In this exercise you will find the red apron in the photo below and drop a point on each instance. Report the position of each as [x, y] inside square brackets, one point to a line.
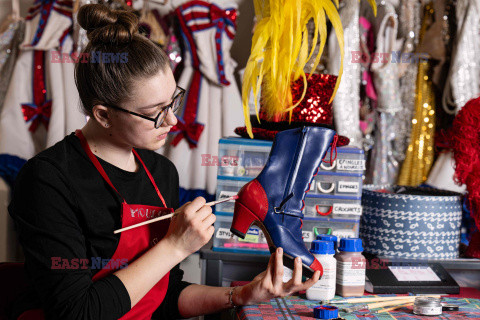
[133, 243]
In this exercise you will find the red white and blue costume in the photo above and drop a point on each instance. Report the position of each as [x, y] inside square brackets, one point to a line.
[213, 104]
[41, 104]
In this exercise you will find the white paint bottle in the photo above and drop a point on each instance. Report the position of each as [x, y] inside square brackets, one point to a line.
[324, 289]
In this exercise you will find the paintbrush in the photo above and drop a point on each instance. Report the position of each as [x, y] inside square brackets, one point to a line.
[394, 308]
[378, 299]
[168, 216]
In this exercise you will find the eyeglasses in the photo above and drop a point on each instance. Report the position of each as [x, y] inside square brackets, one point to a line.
[174, 105]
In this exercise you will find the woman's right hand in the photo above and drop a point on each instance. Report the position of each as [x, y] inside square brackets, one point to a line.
[191, 227]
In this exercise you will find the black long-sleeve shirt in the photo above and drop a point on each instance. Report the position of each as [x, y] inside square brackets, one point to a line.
[63, 209]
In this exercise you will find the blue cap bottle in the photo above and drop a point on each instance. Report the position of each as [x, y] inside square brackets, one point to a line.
[322, 247]
[329, 237]
[351, 245]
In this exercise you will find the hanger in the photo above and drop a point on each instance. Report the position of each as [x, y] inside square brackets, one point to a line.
[163, 2]
[119, 4]
[12, 17]
[16, 9]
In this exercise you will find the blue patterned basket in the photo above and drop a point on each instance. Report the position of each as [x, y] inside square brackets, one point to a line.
[411, 223]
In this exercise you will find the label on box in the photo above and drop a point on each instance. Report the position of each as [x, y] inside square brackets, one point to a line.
[252, 236]
[224, 233]
[348, 186]
[347, 208]
[344, 233]
[227, 194]
[307, 236]
[350, 165]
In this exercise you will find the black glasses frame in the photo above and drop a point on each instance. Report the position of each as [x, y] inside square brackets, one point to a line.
[158, 124]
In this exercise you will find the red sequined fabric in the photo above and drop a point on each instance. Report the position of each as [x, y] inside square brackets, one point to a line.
[314, 109]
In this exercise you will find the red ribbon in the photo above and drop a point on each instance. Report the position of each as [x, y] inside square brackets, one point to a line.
[40, 109]
[37, 114]
[217, 13]
[190, 132]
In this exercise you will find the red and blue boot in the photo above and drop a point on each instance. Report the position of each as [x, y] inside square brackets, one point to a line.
[274, 200]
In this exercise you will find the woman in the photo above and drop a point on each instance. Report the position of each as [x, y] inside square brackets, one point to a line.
[70, 198]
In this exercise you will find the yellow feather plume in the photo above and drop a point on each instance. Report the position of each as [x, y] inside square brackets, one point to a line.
[280, 51]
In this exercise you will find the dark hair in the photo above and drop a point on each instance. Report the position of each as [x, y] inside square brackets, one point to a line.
[114, 32]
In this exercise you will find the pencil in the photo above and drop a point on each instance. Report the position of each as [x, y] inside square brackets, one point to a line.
[168, 216]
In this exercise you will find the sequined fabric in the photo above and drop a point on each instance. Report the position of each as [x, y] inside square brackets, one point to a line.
[383, 166]
[409, 28]
[346, 104]
[465, 69]
[315, 107]
[420, 153]
[10, 39]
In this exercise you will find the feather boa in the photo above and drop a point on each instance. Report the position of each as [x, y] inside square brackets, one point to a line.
[465, 142]
[280, 51]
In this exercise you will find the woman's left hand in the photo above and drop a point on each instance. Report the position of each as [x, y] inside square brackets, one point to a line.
[269, 284]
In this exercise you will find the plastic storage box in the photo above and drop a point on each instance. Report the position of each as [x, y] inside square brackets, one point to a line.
[349, 160]
[339, 207]
[342, 228]
[239, 157]
[227, 187]
[224, 240]
[255, 241]
[333, 183]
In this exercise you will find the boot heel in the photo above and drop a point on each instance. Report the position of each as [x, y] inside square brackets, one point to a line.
[242, 220]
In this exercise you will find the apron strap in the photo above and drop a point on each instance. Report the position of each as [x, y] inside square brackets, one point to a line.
[95, 161]
[100, 169]
[150, 177]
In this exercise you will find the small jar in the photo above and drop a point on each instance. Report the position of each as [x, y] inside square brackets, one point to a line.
[324, 289]
[351, 266]
[427, 306]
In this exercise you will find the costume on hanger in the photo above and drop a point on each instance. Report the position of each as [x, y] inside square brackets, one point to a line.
[463, 83]
[346, 105]
[419, 157]
[79, 34]
[10, 40]
[368, 94]
[408, 28]
[212, 108]
[42, 104]
[384, 166]
[150, 25]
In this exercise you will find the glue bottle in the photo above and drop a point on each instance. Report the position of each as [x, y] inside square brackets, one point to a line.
[324, 289]
[350, 268]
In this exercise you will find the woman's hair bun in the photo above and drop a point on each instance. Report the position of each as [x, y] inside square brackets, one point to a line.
[104, 25]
